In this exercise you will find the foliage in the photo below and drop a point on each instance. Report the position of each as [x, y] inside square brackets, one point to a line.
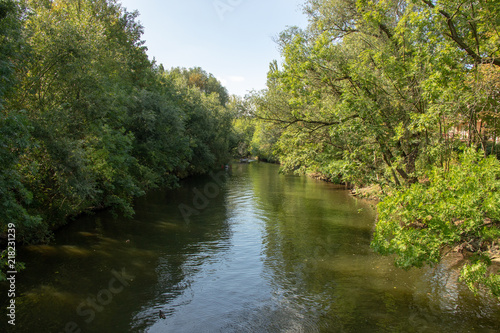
[255, 137]
[101, 122]
[155, 120]
[205, 82]
[375, 88]
[456, 209]
[208, 123]
[264, 140]
[335, 89]
[244, 128]
[69, 84]
[15, 197]
[385, 92]
[10, 44]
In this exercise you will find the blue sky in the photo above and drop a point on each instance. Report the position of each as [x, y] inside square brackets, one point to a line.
[232, 39]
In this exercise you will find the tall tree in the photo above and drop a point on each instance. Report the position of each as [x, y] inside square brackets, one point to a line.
[15, 138]
[373, 91]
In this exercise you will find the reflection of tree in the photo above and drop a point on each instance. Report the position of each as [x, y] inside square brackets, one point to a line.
[311, 233]
[183, 247]
[315, 252]
[318, 260]
[158, 248]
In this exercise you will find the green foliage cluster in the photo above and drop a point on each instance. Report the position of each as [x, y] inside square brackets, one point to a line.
[255, 137]
[454, 209]
[374, 90]
[387, 93]
[87, 121]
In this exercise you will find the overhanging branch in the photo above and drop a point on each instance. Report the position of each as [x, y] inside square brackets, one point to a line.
[453, 34]
[290, 122]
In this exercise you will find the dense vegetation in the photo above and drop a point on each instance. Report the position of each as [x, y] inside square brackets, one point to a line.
[87, 121]
[403, 94]
[400, 95]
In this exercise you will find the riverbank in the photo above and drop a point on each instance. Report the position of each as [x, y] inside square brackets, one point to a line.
[453, 212]
[372, 193]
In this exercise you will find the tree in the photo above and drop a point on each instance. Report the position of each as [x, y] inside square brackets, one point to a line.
[207, 121]
[206, 82]
[15, 138]
[483, 105]
[348, 74]
[383, 77]
[256, 138]
[456, 210]
[372, 92]
[71, 84]
[160, 146]
[470, 25]
[101, 124]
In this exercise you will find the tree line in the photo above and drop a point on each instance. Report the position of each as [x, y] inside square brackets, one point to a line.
[87, 121]
[403, 94]
[400, 95]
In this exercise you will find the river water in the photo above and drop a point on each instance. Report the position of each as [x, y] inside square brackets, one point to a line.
[245, 250]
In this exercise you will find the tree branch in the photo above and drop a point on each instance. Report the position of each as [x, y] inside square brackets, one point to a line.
[309, 122]
[453, 34]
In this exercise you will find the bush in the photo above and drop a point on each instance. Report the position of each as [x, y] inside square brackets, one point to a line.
[458, 208]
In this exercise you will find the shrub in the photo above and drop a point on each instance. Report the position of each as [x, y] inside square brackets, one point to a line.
[458, 208]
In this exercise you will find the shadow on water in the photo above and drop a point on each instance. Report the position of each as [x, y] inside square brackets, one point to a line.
[256, 252]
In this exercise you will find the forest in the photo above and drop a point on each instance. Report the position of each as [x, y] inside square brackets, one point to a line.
[397, 98]
[88, 122]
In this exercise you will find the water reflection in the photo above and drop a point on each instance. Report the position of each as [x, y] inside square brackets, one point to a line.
[268, 253]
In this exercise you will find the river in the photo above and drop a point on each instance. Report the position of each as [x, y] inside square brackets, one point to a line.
[243, 250]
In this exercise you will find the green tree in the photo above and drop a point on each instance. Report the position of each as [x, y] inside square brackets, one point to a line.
[378, 86]
[206, 82]
[160, 146]
[86, 58]
[345, 77]
[101, 123]
[374, 92]
[15, 138]
[207, 122]
[457, 209]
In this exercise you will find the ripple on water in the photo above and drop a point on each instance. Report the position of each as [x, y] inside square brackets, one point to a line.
[271, 253]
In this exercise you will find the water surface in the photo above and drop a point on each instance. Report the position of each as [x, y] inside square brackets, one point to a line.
[247, 251]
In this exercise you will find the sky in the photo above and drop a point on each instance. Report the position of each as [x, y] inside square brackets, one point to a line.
[231, 39]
